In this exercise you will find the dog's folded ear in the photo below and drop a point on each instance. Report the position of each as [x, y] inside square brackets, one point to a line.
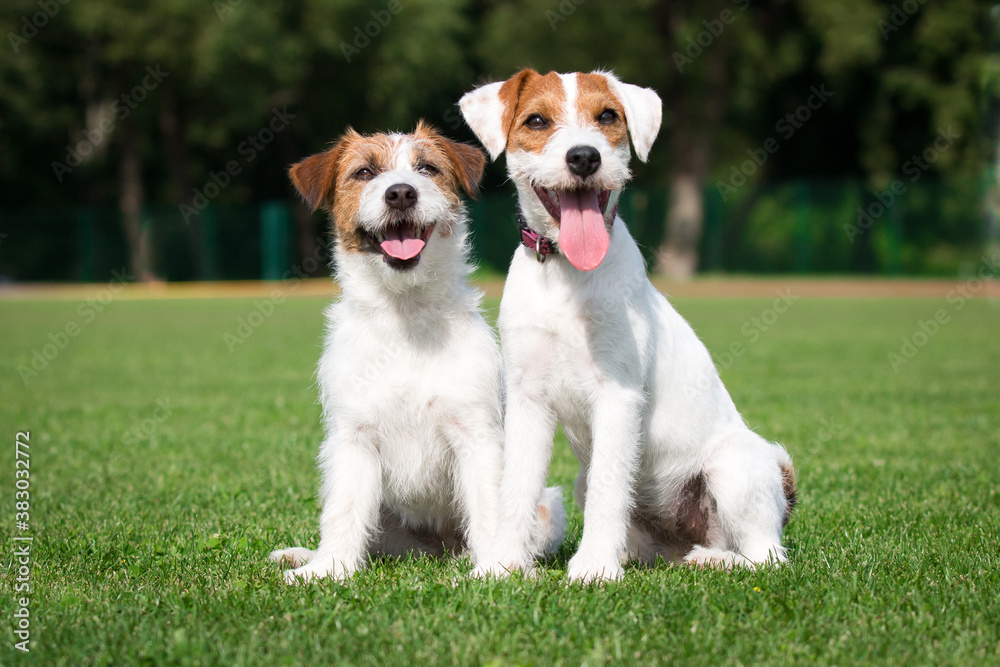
[643, 113]
[467, 163]
[489, 110]
[316, 176]
[313, 178]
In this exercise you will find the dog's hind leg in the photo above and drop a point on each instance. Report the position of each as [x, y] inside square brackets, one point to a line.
[746, 482]
[649, 543]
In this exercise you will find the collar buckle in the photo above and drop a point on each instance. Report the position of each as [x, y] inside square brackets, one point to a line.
[532, 240]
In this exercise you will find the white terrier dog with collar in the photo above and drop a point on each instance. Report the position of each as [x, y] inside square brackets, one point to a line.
[411, 377]
[668, 468]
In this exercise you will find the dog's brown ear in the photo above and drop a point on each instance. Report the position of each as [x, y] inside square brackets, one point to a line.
[316, 176]
[510, 94]
[467, 162]
[313, 178]
[489, 110]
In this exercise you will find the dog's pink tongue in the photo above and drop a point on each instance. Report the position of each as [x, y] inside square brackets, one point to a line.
[583, 238]
[402, 242]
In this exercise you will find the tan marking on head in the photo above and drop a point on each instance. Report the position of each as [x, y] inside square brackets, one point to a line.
[541, 95]
[593, 98]
[459, 165]
[509, 94]
[375, 152]
[316, 180]
[330, 180]
[315, 176]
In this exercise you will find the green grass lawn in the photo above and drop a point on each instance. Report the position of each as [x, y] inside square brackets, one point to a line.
[164, 468]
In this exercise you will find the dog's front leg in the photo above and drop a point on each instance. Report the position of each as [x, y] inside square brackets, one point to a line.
[352, 495]
[478, 468]
[610, 481]
[529, 426]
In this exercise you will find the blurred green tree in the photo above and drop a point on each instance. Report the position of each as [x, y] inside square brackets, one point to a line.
[733, 74]
[731, 71]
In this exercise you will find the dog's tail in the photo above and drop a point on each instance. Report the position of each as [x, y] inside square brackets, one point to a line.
[788, 483]
[551, 522]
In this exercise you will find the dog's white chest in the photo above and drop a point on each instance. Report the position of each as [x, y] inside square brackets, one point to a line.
[413, 391]
[549, 340]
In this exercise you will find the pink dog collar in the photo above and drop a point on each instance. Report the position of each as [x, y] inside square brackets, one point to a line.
[542, 245]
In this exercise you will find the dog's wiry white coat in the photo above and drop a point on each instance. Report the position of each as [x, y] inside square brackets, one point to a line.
[411, 385]
[636, 391]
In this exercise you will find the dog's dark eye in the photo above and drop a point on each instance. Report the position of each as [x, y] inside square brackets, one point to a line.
[607, 117]
[364, 174]
[536, 122]
[428, 169]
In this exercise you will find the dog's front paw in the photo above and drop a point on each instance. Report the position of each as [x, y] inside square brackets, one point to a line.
[585, 569]
[489, 571]
[293, 557]
[497, 569]
[316, 570]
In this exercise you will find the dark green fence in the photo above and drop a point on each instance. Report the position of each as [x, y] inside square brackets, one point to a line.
[807, 226]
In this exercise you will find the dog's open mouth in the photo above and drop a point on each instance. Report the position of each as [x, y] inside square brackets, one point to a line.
[583, 235]
[401, 243]
[553, 199]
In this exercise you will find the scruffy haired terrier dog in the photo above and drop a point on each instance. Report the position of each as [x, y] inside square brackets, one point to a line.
[668, 468]
[411, 376]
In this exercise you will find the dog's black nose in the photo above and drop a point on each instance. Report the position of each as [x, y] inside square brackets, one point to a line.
[401, 196]
[583, 160]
